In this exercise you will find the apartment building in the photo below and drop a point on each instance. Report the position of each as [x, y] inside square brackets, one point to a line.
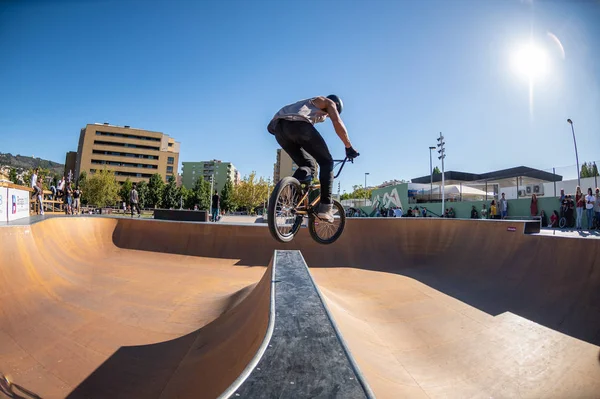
[220, 171]
[284, 166]
[131, 153]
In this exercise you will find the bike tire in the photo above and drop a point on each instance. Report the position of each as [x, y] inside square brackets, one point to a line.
[313, 222]
[272, 209]
[562, 222]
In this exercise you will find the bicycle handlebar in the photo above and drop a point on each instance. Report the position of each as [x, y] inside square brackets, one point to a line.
[343, 162]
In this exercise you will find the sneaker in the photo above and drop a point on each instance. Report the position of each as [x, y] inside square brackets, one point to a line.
[326, 213]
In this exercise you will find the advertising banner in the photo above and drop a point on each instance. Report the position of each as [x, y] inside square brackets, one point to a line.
[3, 204]
[18, 204]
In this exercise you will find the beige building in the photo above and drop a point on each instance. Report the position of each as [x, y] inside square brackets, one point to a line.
[131, 153]
[284, 166]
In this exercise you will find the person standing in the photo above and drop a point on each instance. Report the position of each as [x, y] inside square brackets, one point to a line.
[76, 195]
[503, 203]
[134, 199]
[533, 207]
[215, 206]
[37, 192]
[597, 208]
[590, 200]
[579, 204]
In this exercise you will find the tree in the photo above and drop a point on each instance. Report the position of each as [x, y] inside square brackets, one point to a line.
[82, 183]
[142, 189]
[102, 188]
[227, 203]
[201, 194]
[182, 197]
[589, 170]
[12, 175]
[155, 190]
[437, 171]
[250, 192]
[169, 195]
[125, 190]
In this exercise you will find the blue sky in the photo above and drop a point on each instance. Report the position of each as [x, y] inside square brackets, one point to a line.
[212, 74]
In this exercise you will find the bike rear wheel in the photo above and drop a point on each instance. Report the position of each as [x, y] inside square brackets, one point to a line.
[327, 233]
[282, 220]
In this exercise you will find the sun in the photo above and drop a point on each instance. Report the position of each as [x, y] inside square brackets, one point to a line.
[530, 61]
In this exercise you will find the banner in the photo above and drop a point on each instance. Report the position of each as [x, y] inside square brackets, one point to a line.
[3, 203]
[17, 204]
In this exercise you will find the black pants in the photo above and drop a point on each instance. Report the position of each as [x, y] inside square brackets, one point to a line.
[304, 145]
[135, 206]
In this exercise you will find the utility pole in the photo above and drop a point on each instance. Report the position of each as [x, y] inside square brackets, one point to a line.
[430, 174]
[442, 152]
[569, 121]
[366, 173]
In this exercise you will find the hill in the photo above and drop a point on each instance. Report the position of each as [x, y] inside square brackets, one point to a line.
[23, 163]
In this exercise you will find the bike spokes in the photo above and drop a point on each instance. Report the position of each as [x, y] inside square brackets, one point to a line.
[326, 230]
[285, 217]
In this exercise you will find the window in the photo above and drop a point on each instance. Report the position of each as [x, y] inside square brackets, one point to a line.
[169, 169]
[170, 160]
[145, 147]
[126, 136]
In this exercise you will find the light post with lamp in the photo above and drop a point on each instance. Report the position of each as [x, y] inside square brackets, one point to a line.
[576, 155]
[366, 173]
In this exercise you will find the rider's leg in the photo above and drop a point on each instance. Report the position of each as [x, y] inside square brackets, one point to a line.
[288, 135]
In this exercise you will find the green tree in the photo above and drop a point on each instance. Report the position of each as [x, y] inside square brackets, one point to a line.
[437, 171]
[125, 190]
[251, 192]
[102, 188]
[201, 194]
[585, 172]
[155, 190]
[169, 195]
[142, 189]
[82, 183]
[227, 203]
[12, 175]
[26, 180]
[594, 170]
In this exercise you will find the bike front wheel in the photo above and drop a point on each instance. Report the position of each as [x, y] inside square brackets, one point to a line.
[324, 232]
[282, 219]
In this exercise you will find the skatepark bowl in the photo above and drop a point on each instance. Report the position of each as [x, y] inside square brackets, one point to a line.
[427, 308]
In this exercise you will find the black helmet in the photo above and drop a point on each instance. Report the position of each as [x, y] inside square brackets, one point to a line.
[338, 102]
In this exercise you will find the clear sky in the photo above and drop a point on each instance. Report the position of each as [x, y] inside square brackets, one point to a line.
[212, 74]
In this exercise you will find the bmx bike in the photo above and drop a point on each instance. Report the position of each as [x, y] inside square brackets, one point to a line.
[291, 201]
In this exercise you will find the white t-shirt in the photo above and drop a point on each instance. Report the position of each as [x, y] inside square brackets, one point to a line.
[33, 180]
[591, 199]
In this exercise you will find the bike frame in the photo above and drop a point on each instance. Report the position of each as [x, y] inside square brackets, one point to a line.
[304, 207]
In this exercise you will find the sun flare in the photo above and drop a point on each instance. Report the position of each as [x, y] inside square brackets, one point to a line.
[530, 61]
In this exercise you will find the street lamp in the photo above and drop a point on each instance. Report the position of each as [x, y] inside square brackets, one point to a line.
[576, 155]
[430, 173]
[366, 173]
[442, 152]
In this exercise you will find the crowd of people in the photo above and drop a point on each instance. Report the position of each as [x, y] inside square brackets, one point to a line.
[64, 190]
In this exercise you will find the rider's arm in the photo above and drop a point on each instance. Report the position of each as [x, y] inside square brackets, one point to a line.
[328, 105]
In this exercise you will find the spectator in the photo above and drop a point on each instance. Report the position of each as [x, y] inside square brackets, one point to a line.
[134, 199]
[570, 211]
[446, 213]
[493, 209]
[543, 218]
[579, 204]
[398, 212]
[597, 208]
[77, 193]
[451, 213]
[590, 200]
[215, 206]
[533, 207]
[474, 214]
[37, 190]
[68, 196]
[484, 212]
[503, 207]
[554, 219]
[424, 211]
[409, 213]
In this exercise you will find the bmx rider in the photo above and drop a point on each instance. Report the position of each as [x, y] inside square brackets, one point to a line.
[293, 128]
